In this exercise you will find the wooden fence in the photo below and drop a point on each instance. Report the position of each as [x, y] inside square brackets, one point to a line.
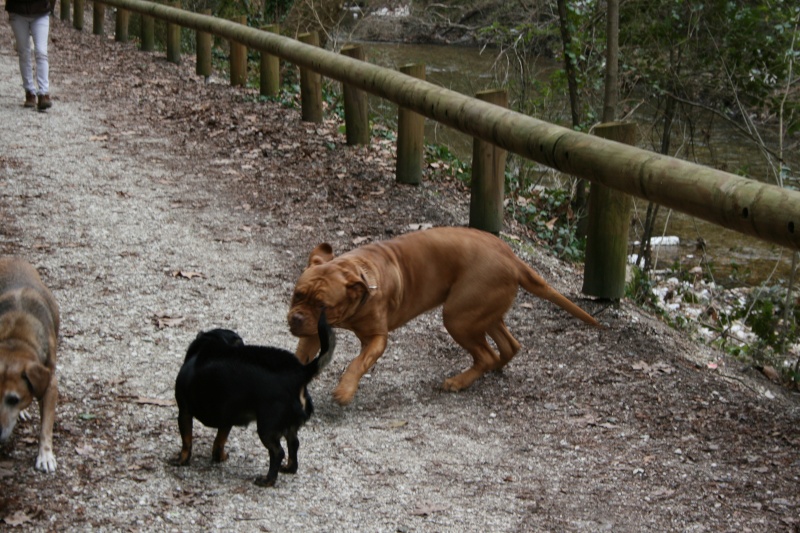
[741, 204]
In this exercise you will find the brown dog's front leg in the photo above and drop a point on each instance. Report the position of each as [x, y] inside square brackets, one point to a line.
[46, 460]
[371, 349]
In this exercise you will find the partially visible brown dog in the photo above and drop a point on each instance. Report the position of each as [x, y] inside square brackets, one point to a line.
[377, 288]
[28, 336]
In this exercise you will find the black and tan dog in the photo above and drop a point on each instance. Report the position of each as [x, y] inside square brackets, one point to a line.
[28, 337]
[225, 383]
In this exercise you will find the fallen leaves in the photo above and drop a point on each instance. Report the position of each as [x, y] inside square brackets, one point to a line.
[654, 369]
[17, 518]
[85, 450]
[142, 400]
[22, 517]
[419, 227]
[428, 508]
[5, 469]
[187, 274]
[593, 420]
[393, 424]
[163, 320]
[771, 373]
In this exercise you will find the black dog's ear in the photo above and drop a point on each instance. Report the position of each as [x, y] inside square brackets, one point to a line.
[321, 254]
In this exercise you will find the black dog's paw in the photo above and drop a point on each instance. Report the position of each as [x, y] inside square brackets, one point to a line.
[219, 456]
[289, 468]
[264, 481]
[181, 459]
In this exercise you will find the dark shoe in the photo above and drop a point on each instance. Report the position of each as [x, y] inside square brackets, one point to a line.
[44, 102]
[30, 100]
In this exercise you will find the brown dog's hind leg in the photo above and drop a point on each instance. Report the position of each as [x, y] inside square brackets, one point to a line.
[472, 339]
[481, 353]
[218, 453]
[507, 345]
[484, 357]
[469, 314]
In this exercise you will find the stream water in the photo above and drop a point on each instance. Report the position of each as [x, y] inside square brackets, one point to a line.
[723, 252]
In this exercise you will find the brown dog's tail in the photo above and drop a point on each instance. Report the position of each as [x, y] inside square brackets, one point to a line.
[327, 344]
[536, 285]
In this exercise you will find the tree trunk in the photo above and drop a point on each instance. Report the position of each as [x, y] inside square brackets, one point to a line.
[646, 248]
[612, 62]
[579, 204]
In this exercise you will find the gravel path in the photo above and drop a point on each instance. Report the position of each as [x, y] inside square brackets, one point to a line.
[144, 242]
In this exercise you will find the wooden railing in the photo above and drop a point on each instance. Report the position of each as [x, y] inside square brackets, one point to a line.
[741, 204]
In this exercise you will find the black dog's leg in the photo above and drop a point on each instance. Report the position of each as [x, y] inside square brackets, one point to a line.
[185, 420]
[276, 455]
[218, 453]
[292, 445]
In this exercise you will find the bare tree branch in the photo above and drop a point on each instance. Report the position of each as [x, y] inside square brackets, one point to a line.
[735, 124]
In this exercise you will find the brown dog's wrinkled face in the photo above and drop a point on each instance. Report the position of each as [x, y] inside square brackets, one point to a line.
[332, 285]
[20, 381]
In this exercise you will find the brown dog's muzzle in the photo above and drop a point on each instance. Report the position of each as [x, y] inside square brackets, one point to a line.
[299, 324]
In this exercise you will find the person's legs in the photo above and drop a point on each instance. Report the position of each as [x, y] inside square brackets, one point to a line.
[40, 29]
[22, 32]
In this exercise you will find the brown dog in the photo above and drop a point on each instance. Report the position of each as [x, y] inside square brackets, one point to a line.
[28, 335]
[377, 288]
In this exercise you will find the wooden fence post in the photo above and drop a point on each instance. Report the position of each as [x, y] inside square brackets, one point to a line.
[270, 71]
[98, 17]
[64, 10]
[148, 36]
[238, 58]
[174, 38]
[410, 136]
[488, 176]
[356, 110]
[77, 15]
[203, 46]
[121, 28]
[609, 221]
[310, 85]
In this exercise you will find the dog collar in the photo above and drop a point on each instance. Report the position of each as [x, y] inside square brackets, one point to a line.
[372, 284]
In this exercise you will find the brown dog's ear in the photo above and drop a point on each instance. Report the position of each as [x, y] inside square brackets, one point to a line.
[321, 254]
[357, 289]
[38, 377]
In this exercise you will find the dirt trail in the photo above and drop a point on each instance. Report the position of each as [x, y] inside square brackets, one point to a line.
[156, 205]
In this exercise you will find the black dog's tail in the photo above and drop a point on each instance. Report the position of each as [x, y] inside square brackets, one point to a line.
[327, 343]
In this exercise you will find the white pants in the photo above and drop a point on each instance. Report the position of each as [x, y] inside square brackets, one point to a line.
[38, 27]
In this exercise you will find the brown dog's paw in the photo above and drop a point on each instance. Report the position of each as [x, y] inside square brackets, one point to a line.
[457, 383]
[343, 395]
[451, 385]
[462, 380]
